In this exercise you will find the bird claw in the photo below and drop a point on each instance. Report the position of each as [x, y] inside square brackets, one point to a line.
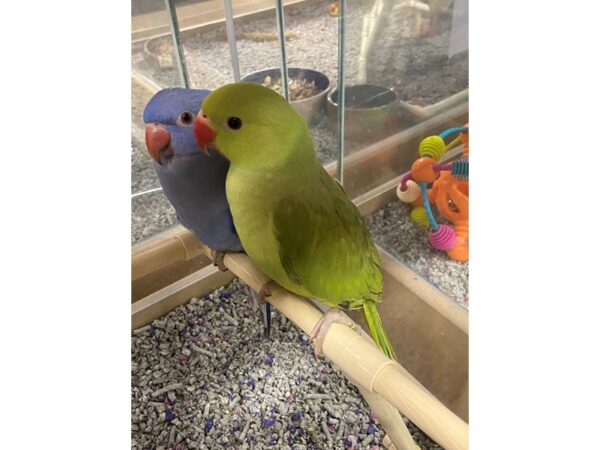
[318, 333]
[218, 260]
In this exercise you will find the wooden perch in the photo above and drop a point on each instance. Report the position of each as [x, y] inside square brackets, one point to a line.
[391, 420]
[357, 357]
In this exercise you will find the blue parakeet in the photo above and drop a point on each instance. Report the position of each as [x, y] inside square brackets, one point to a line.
[192, 181]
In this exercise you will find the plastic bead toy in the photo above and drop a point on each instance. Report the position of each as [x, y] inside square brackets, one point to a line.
[444, 185]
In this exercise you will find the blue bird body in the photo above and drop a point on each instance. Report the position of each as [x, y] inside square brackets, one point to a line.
[193, 182]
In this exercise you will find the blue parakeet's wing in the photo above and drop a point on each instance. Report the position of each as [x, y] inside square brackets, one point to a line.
[196, 189]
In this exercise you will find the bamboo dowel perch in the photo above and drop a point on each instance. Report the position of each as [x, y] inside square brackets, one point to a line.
[388, 444]
[391, 420]
[357, 357]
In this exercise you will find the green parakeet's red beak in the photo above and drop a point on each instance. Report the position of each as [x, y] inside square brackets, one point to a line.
[203, 132]
[158, 139]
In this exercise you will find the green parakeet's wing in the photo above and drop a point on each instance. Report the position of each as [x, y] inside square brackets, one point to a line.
[325, 247]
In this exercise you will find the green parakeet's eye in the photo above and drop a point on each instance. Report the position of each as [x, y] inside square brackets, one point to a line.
[235, 123]
[186, 117]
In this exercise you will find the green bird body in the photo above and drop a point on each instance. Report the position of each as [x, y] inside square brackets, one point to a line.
[295, 222]
[306, 235]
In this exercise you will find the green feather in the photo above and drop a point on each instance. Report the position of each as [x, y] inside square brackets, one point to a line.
[325, 247]
[377, 330]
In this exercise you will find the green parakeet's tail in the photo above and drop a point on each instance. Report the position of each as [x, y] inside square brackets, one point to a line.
[376, 328]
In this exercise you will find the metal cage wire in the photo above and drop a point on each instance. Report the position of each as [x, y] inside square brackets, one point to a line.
[280, 17]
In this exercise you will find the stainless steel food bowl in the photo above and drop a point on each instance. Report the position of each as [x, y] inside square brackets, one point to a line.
[311, 108]
[372, 112]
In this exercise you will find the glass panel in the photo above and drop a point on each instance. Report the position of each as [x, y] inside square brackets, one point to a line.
[311, 47]
[153, 53]
[311, 54]
[406, 75]
[311, 44]
[154, 66]
[406, 62]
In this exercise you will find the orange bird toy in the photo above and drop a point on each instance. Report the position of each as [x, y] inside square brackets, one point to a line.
[446, 186]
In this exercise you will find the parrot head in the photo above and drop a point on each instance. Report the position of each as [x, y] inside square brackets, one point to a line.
[250, 124]
[169, 118]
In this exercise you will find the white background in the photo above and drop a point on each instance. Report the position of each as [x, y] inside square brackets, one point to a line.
[65, 228]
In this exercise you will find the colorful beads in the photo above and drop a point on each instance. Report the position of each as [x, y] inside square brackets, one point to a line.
[432, 147]
[411, 193]
[443, 185]
[423, 170]
[444, 238]
[460, 169]
[419, 216]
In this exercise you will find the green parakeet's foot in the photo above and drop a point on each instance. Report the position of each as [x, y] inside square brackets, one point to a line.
[318, 333]
[218, 260]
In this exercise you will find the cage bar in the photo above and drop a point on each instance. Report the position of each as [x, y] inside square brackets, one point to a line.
[341, 90]
[230, 27]
[179, 53]
[281, 33]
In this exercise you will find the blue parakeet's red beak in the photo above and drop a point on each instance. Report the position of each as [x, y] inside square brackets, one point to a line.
[158, 139]
[203, 132]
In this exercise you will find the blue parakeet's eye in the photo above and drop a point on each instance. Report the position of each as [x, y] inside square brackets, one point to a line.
[186, 117]
[235, 123]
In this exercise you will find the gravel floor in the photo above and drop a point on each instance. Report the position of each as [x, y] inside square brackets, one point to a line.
[203, 378]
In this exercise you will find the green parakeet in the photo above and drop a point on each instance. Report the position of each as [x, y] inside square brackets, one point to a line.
[295, 222]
